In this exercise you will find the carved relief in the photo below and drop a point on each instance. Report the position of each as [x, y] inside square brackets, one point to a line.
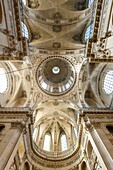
[57, 17]
[57, 28]
[56, 45]
[80, 5]
[36, 36]
[34, 4]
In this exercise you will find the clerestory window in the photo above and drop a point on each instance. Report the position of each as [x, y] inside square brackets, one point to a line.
[35, 134]
[24, 2]
[88, 32]
[63, 142]
[25, 32]
[108, 82]
[47, 143]
[90, 3]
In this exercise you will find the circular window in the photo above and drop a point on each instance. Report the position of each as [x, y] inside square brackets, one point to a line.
[55, 70]
[3, 81]
[108, 82]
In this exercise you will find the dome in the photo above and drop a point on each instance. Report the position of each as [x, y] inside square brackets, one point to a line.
[55, 75]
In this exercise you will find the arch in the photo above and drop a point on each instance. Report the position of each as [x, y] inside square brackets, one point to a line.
[19, 102]
[110, 128]
[89, 149]
[47, 142]
[0, 13]
[108, 82]
[26, 166]
[2, 127]
[83, 166]
[75, 132]
[3, 81]
[35, 133]
[91, 102]
[63, 142]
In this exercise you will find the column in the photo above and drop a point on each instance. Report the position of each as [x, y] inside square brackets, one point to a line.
[7, 147]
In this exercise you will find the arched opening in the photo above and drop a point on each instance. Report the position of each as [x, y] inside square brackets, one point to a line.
[35, 134]
[75, 132]
[63, 142]
[26, 166]
[83, 166]
[110, 129]
[3, 81]
[47, 142]
[0, 13]
[89, 149]
[1, 127]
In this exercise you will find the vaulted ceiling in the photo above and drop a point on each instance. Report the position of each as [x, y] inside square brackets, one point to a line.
[57, 24]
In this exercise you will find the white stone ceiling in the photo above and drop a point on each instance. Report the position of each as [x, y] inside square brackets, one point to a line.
[54, 24]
